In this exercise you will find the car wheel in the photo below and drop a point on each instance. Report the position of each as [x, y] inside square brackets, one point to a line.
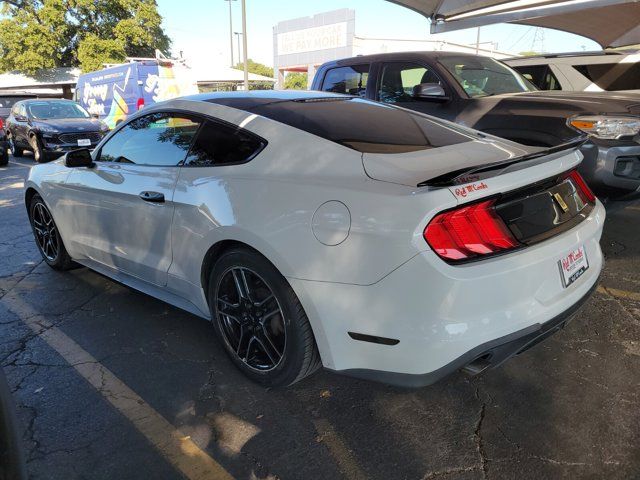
[47, 236]
[260, 320]
[36, 148]
[15, 151]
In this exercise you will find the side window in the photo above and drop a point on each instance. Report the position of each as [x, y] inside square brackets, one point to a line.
[218, 144]
[161, 139]
[398, 80]
[23, 110]
[348, 80]
[540, 75]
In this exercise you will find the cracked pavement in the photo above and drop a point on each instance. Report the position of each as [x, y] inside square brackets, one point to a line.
[567, 408]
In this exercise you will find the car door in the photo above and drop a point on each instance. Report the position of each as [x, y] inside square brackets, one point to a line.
[19, 125]
[397, 80]
[121, 209]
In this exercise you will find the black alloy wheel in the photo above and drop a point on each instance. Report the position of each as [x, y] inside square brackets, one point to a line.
[260, 320]
[47, 236]
[15, 151]
[251, 319]
[36, 147]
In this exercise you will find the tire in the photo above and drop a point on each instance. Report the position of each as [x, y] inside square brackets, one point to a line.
[274, 349]
[4, 158]
[47, 236]
[15, 151]
[39, 154]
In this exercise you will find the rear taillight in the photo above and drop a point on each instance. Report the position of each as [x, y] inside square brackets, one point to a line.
[140, 104]
[1, 123]
[581, 186]
[470, 231]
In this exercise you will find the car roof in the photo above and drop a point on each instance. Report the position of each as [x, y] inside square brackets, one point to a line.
[597, 53]
[418, 55]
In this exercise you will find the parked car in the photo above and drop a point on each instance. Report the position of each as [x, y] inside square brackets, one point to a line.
[49, 128]
[7, 100]
[487, 95]
[116, 92]
[608, 70]
[315, 228]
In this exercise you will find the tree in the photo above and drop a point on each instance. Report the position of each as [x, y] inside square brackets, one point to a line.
[257, 68]
[296, 81]
[38, 34]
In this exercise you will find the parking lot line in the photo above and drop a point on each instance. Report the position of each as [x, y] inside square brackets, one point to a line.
[177, 448]
[339, 451]
[614, 292]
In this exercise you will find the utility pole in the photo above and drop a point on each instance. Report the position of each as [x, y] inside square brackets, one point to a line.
[238, 35]
[478, 42]
[231, 32]
[244, 45]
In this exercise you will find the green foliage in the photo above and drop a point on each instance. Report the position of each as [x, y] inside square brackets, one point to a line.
[257, 68]
[38, 34]
[295, 81]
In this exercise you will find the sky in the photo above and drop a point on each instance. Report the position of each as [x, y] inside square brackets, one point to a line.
[200, 28]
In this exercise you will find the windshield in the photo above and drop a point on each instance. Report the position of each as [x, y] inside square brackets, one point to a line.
[54, 110]
[484, 76]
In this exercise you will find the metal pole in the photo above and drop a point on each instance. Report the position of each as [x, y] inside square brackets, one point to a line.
[237, 34]
[478, 41]
[244, 46]
[231, 32]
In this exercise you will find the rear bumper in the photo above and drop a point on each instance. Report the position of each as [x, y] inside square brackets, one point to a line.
[427, 318]
[483, 357]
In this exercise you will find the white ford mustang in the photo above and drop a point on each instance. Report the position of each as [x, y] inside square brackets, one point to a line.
[317, 229]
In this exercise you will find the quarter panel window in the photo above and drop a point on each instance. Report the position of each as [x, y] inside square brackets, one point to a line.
[219, 144]
[348, 80]
[398, 80]
[160, 139]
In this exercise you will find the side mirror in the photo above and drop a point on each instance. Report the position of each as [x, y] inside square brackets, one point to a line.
[430, 91]
[78, 158]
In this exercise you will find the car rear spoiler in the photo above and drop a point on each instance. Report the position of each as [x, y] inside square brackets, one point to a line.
[489, 170]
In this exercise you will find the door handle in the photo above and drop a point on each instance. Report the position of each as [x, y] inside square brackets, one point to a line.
[153, 197]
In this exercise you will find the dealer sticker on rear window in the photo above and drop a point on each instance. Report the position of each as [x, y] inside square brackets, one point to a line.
[573, 265]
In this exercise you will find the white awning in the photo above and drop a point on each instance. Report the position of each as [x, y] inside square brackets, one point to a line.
[611, 23]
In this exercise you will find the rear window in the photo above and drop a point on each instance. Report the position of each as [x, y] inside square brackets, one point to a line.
[347, 80]
[363, 125]
[612, 76]
[8, 102]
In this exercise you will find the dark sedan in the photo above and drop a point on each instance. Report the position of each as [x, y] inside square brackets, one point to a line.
[49, 128]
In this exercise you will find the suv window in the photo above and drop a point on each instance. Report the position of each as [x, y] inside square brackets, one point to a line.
[612, 76]
[218, 144]
[160, 139]
[398, 80]
[348, 80]
[540, 75]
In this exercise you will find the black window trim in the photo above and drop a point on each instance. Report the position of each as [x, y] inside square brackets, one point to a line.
[383, 64]
[196, 115]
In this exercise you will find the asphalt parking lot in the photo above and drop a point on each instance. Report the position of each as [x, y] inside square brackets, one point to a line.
[110, 383]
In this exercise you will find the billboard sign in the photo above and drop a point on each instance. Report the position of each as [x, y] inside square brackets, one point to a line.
[312, 39]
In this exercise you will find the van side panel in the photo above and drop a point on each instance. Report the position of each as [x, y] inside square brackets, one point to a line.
[160, 83]
[111, 93]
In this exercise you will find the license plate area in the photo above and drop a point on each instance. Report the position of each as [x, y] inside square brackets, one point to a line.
[84, 142]
[573, 265]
